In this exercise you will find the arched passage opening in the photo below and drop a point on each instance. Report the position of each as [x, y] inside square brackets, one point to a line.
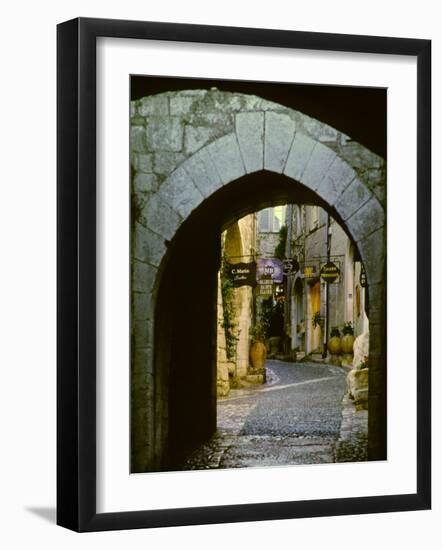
[185, 346]
[268, 159]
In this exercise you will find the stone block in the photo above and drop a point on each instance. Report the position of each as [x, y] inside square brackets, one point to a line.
[157, 105]
[317, 166]
[195, 93]
[250, 134]
[142, 306]
[181, 104]
[336, 179]
[140, 419]
[212, 124]
[142, 332]
[222, 388]
[377, 304]
[142, 162]
[367, 219]
[372, 251]
[142, 361]
[361, 349]
[223, 372]
[180, 192]
[279, 134]
[227, 158]
[197, 136]
[354, 196]
[201, 168]
[255, 103]
[142, 389]
[357, 381]
[166, 162]
[360, 157]
[143, 276]
[381, 194]
[145, 183]
[317, 129]
[255, 378]
[164, 134]
[137, 138]
[378, 376]
[158, 216]
[148, 246]
[299, 155]
[138, 396]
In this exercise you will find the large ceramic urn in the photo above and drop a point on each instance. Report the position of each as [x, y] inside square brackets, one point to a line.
[258, 355]
[334, 345]
[347, 343]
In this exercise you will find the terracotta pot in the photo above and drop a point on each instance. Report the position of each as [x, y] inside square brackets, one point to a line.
[258, 355]
[347, 343]
[334, 345]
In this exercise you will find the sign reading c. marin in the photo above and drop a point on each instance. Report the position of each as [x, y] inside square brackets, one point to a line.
[242, 274]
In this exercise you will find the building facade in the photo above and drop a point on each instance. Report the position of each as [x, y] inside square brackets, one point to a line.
[235, 307]
[313, 307]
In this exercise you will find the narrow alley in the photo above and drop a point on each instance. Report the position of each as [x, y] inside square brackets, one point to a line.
[295, 418]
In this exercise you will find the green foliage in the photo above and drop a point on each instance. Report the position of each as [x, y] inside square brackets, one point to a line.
[266, 312]
[229, 323]
[348, 329]
[335, 332]
[258, 332]
[280, 247]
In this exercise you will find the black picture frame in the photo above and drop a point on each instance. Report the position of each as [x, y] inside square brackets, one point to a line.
[76, 274]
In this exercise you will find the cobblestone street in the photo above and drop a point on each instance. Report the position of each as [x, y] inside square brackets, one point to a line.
[295, 418]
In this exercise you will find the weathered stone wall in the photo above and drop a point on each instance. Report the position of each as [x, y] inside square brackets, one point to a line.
[266, 243]
[224, 368]
[185, 146]
[337, 292]
[341, 295]
[238, 242]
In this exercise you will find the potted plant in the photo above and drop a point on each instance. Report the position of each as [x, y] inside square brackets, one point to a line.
[347, 339]
[334, 342]
[258, 351]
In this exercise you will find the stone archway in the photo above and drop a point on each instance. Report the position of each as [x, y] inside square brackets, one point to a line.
[187, 147]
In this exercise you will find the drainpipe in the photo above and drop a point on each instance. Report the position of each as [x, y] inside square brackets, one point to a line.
[326, 323]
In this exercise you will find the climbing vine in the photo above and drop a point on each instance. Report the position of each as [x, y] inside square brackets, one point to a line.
[280, 247]
[229, 322]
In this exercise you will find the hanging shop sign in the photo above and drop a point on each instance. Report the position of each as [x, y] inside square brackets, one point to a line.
[265, 288]
[363, 277]
[272, 267]
[329, 272]
[242, 274]
[309, 271]
[291, 265]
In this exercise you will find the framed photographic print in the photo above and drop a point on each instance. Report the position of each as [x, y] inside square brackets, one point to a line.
[243, 274]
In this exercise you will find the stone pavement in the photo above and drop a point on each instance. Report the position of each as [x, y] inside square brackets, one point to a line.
[352, 443]
[296, 418]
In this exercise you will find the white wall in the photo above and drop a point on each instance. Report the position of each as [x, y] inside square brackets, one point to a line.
[27, 274]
